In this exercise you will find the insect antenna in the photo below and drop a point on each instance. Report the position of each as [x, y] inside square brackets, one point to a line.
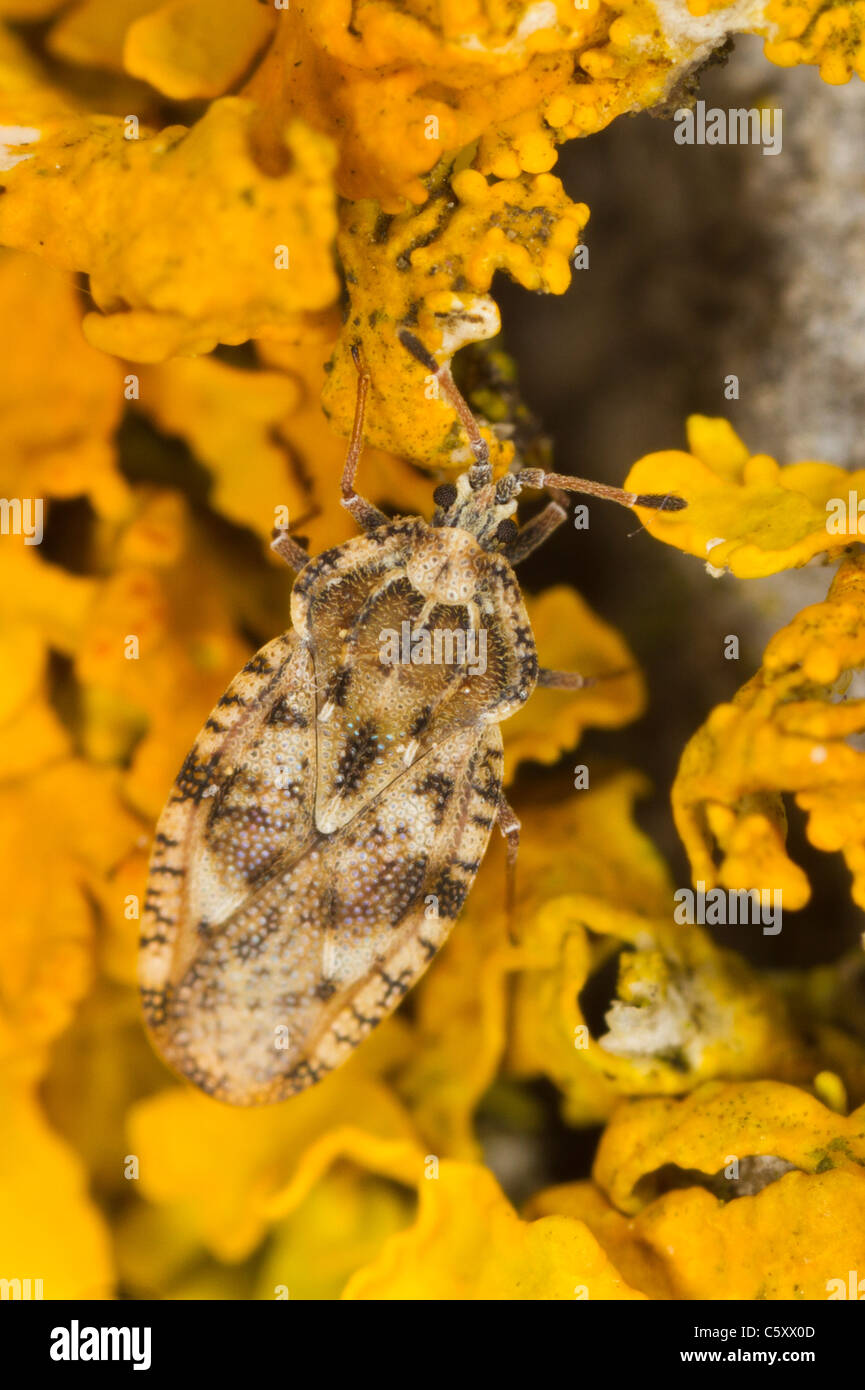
[530, 477]
[537, 478]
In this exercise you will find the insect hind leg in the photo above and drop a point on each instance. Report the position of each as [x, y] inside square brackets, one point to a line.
[291, 552]
[509, 825]
[571, 680]
[365, 514]
[565, 680]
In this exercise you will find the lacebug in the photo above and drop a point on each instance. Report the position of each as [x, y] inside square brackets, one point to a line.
[326, 827]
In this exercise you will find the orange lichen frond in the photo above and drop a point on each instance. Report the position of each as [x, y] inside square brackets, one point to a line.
[571, 637]
[760, 1174]
[810, 31]
[67, 451]
[469, 1243]
[401, 91]
[271, 418]
[46, 955]
[746, 513]
[593, 898]
[185, 49]
[786, 731]
[50, 1221]
[403, 88]
[431, 270]
[142, 706]
[186, 241]
[680, 1010]
[270, 1157]
[758, 1119]
[197, 48]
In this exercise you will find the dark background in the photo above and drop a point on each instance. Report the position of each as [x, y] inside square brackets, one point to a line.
[704, 261]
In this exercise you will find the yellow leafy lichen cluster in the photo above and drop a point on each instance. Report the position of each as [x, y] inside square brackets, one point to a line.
[787, 730]
[394, 156]
[807, 31]
[803, 1166]
[433, 269]
[745, 513]
[392, 99]
[225, 231]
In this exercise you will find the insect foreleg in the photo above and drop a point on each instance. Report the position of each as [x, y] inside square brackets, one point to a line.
[536, 531]
[365, 514]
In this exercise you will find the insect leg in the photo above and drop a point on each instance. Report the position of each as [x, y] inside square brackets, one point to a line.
[293, 554]
[536, 531]
[564, 680]
[365, 514]
[570, 680]
[451, 391]
[509, 825]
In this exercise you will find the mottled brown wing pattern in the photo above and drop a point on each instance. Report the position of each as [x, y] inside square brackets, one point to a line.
[401, 907]
[322, 951]
[226, 820]
[327, 826]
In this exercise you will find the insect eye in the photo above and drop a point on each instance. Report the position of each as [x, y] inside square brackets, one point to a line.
[506, 531]
[445, 495]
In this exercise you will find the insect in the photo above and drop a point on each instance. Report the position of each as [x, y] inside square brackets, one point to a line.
[327, 826]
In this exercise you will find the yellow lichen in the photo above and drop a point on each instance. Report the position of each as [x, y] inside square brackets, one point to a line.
[759, 1174]
[192, 193]
[248, 251]
[432, 269]
[786, 731]
[807, 31]
[746, 513]
[468, 1243]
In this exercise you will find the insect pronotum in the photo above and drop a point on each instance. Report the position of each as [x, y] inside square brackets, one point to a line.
[327, 825]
